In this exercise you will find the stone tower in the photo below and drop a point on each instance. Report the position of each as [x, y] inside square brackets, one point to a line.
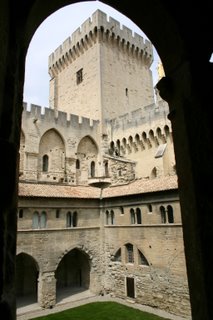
[102, 71]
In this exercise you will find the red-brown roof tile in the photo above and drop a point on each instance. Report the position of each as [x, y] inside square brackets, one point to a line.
[57, 191]
[87, 192]
[142, 186]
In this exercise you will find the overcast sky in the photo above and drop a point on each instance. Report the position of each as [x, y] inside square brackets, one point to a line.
[51, 33]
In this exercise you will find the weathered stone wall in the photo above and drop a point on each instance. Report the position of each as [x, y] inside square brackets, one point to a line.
[139, 135]
[56, 135]
[111, 127]
[162, 282]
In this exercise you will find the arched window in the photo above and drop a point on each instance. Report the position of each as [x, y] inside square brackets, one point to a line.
[142, 260]
[163, 214]
[118, 148]
[154, 173]
[170, 214]
[107, 217]
[112, 217]
[45, 163]
[129, 253]
[117, 256]
[69, 219]
[112, 147]
[92, 169]
[138, 216]
[74, 219]
[35, 224]
[132, 216]
[106, 168]
[43, 220]
[77, 164]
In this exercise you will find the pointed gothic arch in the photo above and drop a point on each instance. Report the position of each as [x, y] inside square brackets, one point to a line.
[51, 156]
[27, 271]
[73, 273]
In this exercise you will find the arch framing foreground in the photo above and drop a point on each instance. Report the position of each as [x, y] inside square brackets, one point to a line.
[182, 35]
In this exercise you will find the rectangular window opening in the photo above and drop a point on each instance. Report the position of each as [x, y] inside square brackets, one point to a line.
[79, 76]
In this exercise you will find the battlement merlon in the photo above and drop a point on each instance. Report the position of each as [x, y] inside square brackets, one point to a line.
[111, 26]
[141, 116]
[38, 113]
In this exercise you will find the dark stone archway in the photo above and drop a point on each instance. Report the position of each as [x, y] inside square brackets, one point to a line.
[26, 279]
[72, 274]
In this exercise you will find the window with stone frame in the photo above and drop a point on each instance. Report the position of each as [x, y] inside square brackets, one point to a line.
[45, 163]
[163, 214]
[71, 219]
[92, 169]
[167, 215]
[138, 216]
[117, 256]
[142, 259]
[77, 164]
[39, 220]
[79, 76]
[129, 253]
[170, 214]
[112, 217]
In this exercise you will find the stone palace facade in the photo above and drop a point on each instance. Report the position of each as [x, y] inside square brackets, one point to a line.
[98, 196]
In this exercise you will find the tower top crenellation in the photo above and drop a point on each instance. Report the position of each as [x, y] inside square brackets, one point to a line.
[110, 26]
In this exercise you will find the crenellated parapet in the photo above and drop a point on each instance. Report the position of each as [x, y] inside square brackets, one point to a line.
[38, 113]
[141, 116]
[99, 28]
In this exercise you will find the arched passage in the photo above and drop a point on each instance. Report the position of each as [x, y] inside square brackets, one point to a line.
[72, 274]
[26, 279]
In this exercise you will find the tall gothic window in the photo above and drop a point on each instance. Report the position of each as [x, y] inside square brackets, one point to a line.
[129, 253]
[107, 217]
[92, 169]
[43, 219]
[71, 219]
[77, 164]
[45, 163]
[163, 214]
[39, 220]
[170, 214]
[112, 217]
[138, 216]
[35, 220]
[106, 167]
[132, 216]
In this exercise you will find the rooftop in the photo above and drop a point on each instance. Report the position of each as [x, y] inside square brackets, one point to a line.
[139, 186]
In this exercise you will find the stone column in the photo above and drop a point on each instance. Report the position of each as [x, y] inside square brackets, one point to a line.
[47, 290]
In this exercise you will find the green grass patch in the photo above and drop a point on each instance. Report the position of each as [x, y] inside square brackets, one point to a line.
[101, 311]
